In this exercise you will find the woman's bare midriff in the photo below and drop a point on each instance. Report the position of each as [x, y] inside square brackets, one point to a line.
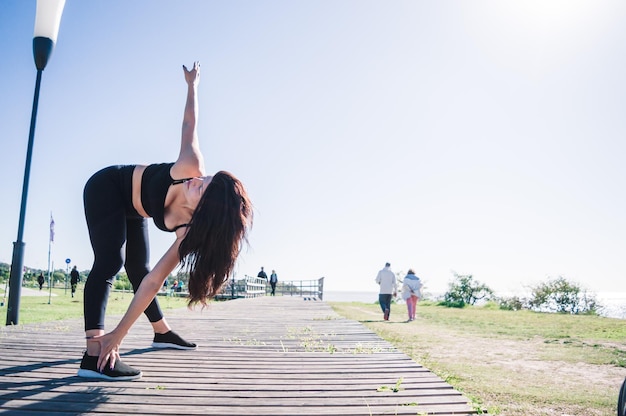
[137, 175]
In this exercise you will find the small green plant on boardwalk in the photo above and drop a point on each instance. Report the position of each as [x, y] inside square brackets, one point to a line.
[310, 340]
[326, 318]
[362, 349]
[395, 388]
[242, 341]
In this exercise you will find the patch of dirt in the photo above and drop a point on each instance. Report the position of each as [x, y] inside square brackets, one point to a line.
[523, 359]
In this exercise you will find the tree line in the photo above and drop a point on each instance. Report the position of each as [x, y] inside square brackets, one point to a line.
[58, 277]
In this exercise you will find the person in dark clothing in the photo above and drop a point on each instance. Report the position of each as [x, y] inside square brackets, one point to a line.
[262, 274]
[74, 279]
[210, 216]
[41, 280]
[273, 281]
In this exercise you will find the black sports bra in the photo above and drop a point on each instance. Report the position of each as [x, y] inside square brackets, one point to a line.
[155, 182]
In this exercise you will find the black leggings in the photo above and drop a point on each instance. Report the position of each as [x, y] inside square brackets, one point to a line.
[113, 222]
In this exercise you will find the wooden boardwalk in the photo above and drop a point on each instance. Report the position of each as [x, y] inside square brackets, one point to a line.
[262, 356]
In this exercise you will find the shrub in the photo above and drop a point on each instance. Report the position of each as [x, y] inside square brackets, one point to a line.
[467, 290]
[563, 296]
[452, 303]
[513, 303]
[121, 282]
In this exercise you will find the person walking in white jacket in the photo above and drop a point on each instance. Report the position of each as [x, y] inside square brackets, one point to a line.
[388, 287]
[411, 292]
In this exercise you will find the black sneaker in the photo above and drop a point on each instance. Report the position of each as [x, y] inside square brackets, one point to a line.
[172, 340]
[121, 371]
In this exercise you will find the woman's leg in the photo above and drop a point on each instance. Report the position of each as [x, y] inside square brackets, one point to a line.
[106, 221]
[410, 306]
[104, 212]
[413, 300]
[138, 266]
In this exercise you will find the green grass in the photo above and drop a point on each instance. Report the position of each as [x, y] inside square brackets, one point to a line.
[36, 309]
[511, 363]
[525, 324]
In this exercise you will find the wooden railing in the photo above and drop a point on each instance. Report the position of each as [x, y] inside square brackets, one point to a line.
[251, 287]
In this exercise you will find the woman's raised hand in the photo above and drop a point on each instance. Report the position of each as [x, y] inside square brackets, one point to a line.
[192, 77]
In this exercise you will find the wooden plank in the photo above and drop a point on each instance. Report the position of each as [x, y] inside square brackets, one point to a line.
[256, 356]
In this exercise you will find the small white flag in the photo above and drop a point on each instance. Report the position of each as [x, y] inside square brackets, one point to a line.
[51, 229]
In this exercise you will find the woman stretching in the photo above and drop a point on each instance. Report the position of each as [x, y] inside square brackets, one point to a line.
[210, 216]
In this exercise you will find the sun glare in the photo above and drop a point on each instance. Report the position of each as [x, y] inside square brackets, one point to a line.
[537, 37]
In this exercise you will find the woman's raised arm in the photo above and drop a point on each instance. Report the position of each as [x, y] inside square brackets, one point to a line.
[190, 161]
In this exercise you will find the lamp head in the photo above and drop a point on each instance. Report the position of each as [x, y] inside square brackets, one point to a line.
[47, 22]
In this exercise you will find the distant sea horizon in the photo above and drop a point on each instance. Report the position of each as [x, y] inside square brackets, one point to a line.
[613, 304]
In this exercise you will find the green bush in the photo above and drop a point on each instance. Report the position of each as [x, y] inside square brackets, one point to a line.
[513, 303]
[122, 283]
[452, 303]
[464, 289]
[562, 296]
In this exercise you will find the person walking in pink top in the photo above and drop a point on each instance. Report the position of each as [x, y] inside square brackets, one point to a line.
[411, 292]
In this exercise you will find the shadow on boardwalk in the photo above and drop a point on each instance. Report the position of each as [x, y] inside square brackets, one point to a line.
[261, 356]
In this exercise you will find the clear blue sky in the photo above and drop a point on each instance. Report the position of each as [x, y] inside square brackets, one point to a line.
[484, 137]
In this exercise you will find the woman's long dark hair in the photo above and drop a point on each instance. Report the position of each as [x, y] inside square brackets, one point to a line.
[219, 226]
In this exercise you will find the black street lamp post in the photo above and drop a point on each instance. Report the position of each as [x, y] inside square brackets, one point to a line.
[47, 21]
